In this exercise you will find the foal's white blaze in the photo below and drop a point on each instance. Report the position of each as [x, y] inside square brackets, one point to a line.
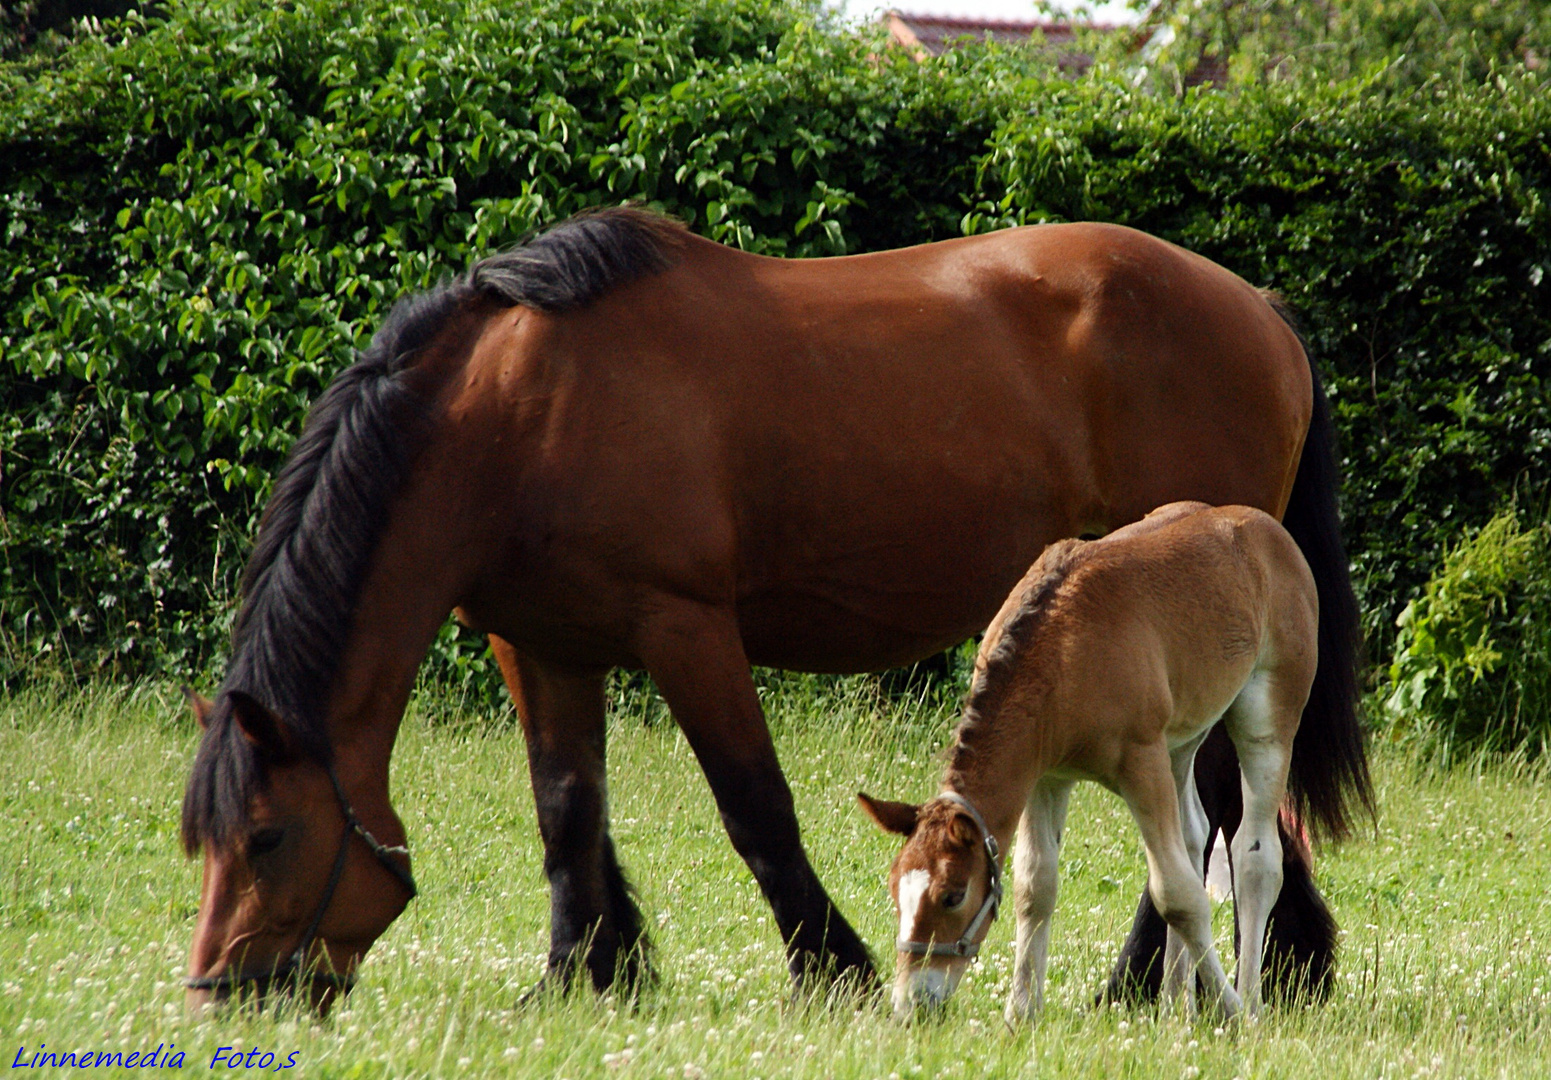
[930, 982]
[912, 887]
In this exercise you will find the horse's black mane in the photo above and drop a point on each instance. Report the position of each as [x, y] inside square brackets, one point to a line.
[332, 499]
[993, 679]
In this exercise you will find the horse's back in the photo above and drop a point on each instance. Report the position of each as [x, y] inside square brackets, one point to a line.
[863, 454]
[1212, 580]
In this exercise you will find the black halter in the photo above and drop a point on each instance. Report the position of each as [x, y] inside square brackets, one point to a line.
[966, 947]
[294, 971]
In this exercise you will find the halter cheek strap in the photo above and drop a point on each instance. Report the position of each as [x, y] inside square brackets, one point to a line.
[967, 947]
[294, 968]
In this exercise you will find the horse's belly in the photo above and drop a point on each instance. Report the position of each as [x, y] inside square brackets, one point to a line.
[874, 612]
[815, 634]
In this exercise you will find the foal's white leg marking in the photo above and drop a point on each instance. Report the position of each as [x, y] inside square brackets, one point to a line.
[1178, 983]
[1257, 847]
[1035, 880]
[1175, 884]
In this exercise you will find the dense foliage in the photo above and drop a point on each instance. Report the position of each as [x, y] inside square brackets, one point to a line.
[1472, 667]
[207, 216]
[1403, 42]
[46, 25]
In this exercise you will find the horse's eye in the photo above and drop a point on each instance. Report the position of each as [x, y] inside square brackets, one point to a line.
[263, 841]
[953, 900]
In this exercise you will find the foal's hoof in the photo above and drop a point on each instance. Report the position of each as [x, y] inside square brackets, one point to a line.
[1017, 1014]
[1229, 1007]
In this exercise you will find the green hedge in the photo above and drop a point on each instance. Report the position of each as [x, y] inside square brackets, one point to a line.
[1472, 665]
[208, 215]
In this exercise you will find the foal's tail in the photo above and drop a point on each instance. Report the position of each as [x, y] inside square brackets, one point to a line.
[1329, 771]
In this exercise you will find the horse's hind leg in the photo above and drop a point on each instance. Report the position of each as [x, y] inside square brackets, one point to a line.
[1035, 881]
[1147, 784]
[1264, 745]
[695, 655]
[594, 922]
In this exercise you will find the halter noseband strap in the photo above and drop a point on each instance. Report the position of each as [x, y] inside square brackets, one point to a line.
[966, 946]
[294, 968]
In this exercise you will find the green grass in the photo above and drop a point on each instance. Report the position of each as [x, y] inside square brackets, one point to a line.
[1446, 966]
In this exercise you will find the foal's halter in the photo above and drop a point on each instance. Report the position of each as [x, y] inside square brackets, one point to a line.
[294, 969]
[965, 946]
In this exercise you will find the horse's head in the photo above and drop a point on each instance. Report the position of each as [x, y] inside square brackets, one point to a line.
[946, 883]
[296, 884]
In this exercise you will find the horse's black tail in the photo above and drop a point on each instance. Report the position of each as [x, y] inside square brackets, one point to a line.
[1329, 771]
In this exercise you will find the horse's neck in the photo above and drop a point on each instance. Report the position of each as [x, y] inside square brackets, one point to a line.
[367, 708]
[413, 584]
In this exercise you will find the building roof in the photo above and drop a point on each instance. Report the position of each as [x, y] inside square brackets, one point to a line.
[931, 35]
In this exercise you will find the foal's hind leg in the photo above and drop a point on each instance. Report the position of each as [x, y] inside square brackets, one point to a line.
[695, 654]
[593, 922]
[1035, 880]
[1195, 831]
[1147, 784]
[1264, 746]
[1300, 946]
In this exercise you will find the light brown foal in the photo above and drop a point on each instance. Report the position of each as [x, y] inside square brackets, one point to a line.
[1111, 661]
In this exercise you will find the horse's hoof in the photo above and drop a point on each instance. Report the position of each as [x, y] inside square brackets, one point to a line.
[546, 989]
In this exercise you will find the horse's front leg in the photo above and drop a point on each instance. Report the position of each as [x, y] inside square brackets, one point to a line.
[695, 654]
[594, 923]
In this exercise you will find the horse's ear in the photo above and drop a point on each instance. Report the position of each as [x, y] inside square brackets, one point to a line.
[894, 817]
[200, 704]
[261, 727]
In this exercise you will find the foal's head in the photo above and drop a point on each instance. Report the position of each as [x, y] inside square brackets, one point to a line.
[946, 887]
[292, 896]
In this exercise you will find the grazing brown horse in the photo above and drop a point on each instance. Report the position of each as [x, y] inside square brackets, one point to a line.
[623, 445]
[1110, 661]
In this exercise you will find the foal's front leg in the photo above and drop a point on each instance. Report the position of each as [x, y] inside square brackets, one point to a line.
[694, 652]
[1035, 881]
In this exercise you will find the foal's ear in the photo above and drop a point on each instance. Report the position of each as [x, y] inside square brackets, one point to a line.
[261, 727]
[962, 831]
[200, 704]
[894, 817]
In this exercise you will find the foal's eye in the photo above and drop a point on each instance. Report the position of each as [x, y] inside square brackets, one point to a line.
[953, 900]
[263, 841]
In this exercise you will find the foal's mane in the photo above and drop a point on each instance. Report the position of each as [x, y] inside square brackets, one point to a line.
[331, 501]
[993, 679]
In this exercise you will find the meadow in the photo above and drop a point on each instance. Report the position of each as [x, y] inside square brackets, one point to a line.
[1445, 964]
